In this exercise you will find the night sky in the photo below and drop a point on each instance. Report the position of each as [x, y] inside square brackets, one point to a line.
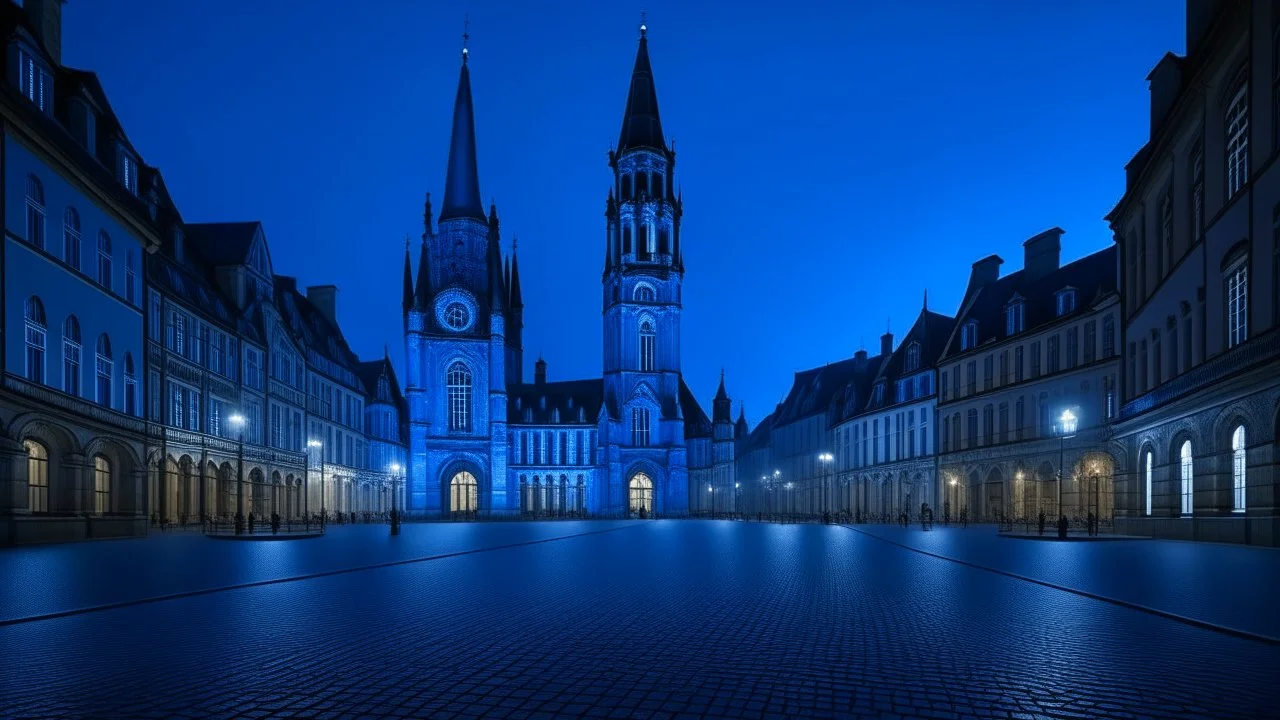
[837, 159]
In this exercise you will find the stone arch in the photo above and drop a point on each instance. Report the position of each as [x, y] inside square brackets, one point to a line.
[59, 464]
[256, 489]
[1225, 423]
[122, 494]
[656, 475]
[228, 491]
[453, 469]
[276, 495]
[993, 494]
[1095, 486]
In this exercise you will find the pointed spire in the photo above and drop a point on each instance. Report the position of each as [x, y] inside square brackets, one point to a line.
[641, 126]
[462, 181]
[740, 427]
[720, 393]
[721, 407]
[926, 299]
[497, 290]
[427, 228]
[407, 302]
[422, 292]
[516, 302]
[506, 277]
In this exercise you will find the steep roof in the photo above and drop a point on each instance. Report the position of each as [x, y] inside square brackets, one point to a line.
[573, 398]
[696, 422]
[462, 180]
[225, 243]
[370, 372]
[1092, 276]
[316, 330]
[641, 126]
[931, 330]
[818, 389]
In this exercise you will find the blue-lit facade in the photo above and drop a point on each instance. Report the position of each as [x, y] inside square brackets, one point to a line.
[483, 441]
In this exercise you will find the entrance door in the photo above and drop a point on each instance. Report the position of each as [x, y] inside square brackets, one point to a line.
[641, 491]
[464, 493]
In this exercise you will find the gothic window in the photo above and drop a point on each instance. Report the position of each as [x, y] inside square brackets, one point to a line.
[35, 212]
[456, 316]
[640, 491]
[1186, 468]
[37, 477]
[459, 390]
[648, 342]
[101, 485]
[71, 355]
[1238, 469]
[104, 260]
[1237, 125]
[1237, 283]
[644, 293]
[913, 357]
[36, 331]
[640, 427]
[1147, 478]
[71, 237]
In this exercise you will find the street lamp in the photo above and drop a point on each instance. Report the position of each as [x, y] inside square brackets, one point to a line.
[737, 500]
[791, 499]
[826, 459]
[711, 489]
[395, 516]
[237, 420]
[318, 444]
[1066, 428]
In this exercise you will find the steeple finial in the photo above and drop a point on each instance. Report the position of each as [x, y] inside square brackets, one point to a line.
[462, 180]
[466, 36]
[926, 299]
[643, 27]
[407, 300]
[426, 216]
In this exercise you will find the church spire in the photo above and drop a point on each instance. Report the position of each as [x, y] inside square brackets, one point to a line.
[516, 302]
[721, 409]
[497, 290]
[462, 181]
[407, 303]
[641, 126]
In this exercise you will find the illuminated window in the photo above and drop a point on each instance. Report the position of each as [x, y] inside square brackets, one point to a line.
[35, 212]
[1238, 469]
[71, 353]
[459, 389]
[1186, 471]
[35, 334]
[71, 237]
[37, 477]
[464, 493]
[640, 491]
[1237, 124]
[1147, 477]
[101, 485]
[648, 342]
[1237, 303]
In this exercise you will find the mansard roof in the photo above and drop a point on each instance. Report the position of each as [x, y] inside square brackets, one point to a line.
[316, 331]
[1093, 277]
[696, 422]
[567, 396]
[931, 330]
[191, 282]
[820, 389]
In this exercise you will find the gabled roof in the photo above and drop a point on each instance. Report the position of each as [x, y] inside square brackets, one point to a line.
[761, 434]
[696, 422]
[370, 372]
[567, 396]
[1093, 277]
[931, 331]
[819, 389]
[226, 243]
[307, 322]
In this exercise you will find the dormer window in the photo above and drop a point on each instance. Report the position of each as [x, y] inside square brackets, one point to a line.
[1066, 301]
[1015, 316]
[969, 335]
[879, 394]
[179, 245]
[913, 357]
[34, 81]
[128, 171]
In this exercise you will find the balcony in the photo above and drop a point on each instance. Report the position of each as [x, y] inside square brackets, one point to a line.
[1253, 352]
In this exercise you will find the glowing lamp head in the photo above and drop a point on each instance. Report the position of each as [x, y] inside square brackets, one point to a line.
[236, 419]
[314, 443]
[1069, 421]
[953, 481]
[395, 467]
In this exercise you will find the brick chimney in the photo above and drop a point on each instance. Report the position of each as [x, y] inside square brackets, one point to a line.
[325, 298]
[540, 372]
[46, 17]
[1041, 254]
[886, 343]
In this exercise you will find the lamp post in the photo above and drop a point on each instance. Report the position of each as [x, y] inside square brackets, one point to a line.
[826, 459]
[395, 516]
[312, 444]
[1067, 428]
[737, 499]
[951, 495]
[237, 420]
[791, 500]
[711, 490]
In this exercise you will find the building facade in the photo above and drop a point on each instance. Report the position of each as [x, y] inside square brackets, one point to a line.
[1198, 232]
[1029, 387]
[484, 441]
[79, 215]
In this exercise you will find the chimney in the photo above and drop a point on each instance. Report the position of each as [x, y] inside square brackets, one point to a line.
[540, 372]
[325, 298]
[986, 270]
[860, 359]
[1041, 254]
[886, 343]
[1164, 82]
[46, 17]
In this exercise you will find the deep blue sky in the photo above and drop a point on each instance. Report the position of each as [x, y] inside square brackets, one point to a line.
[837, 159]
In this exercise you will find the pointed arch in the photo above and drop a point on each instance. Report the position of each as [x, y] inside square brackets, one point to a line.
[458, 383]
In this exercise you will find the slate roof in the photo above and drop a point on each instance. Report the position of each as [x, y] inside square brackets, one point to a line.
[223, 243]
[641, 125]
[371, 371]
[1092, 276]
[567, 396]
[306, 321]
[931, 330]
[696, 422]
[823, 388]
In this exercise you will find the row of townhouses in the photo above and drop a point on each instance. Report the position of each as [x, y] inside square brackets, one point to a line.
[157, 370]
[1139, 383]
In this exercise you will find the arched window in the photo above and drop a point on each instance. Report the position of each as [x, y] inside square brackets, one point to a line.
[1237, 289]
[648, 342]
[104, 260]
[1186, 471]
[640, 427]
[101, 485]
[130, 279]
[37, 477]
[71, 356]
[641, 494]
[35, 212]
[464, 493]
[459, 387]
[131, 388]
[36, 333]
[644, 293]
[1237, 469]
[104, 366]
[1147, 478]
[1236, 122]
[71, 237]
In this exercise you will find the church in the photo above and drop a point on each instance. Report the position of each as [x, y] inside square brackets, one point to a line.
[482, 440]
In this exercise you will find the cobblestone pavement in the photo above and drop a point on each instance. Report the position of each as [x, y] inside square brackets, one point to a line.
[659, 619]
[1229, 585]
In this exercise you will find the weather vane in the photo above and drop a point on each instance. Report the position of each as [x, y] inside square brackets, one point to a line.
[643, 27]
[466, 33]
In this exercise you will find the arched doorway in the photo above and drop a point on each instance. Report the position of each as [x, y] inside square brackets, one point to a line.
[1095, 487]
[993, 505]
[257, 493]
[641, 494]
[464, 493]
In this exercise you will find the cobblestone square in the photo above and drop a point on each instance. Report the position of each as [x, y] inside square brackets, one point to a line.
[635, 619]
